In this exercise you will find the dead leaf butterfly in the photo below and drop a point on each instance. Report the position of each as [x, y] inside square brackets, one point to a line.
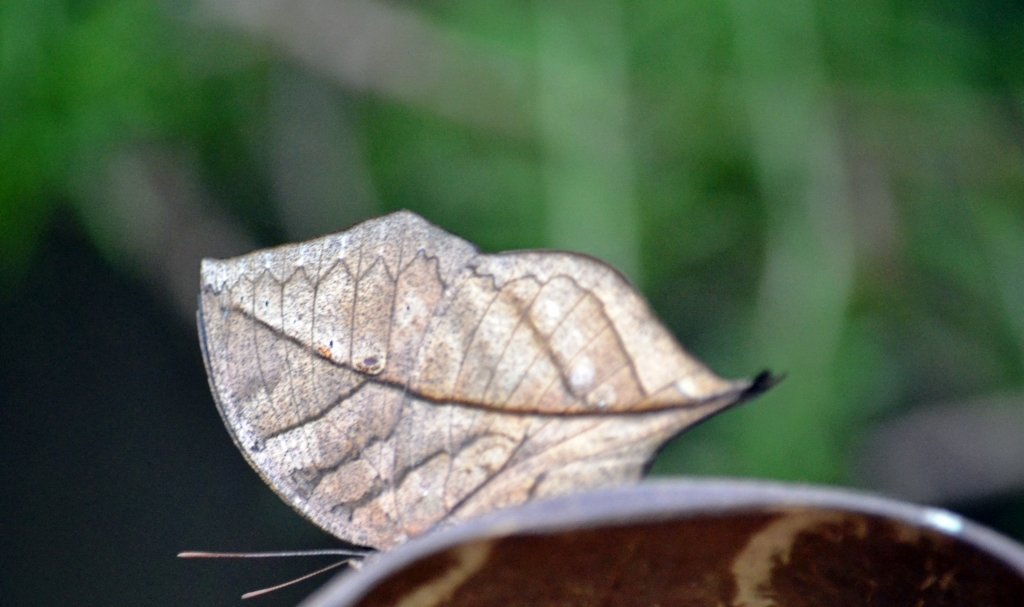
[392, 379]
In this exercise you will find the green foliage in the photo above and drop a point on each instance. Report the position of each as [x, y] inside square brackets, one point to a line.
[75, 80]
[832, 190]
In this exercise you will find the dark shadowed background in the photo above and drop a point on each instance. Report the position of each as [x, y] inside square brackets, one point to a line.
[833, 190]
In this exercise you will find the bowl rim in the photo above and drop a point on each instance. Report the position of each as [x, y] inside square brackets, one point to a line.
[659, 500]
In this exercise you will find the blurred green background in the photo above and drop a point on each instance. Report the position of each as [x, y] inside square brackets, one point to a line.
[832, 190]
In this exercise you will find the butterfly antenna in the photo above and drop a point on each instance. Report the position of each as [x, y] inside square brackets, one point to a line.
[348, 553]
[351, 557]
[262, 591]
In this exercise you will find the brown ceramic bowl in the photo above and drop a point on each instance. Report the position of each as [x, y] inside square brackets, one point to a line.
[698, 543]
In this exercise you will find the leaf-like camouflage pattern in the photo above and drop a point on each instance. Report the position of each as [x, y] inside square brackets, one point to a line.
[389, 379]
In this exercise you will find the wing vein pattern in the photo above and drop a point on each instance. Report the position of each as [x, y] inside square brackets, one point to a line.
[390, 379]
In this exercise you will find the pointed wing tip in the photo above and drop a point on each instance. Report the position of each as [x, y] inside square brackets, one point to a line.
[764, 381]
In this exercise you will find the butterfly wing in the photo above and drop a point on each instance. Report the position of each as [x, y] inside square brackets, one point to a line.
[390, 378]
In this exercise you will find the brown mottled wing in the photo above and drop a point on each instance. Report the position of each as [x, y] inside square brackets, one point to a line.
[390, 378]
